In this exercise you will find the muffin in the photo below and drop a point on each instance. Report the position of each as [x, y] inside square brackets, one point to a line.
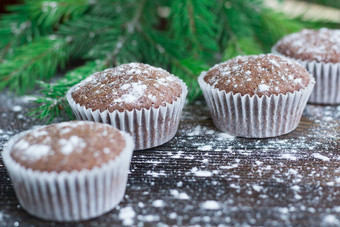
[256, 96]
[69, 171]
[319, 52]
[140, 99]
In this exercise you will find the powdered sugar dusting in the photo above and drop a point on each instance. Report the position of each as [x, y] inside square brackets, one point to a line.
[129, 85]
[321, 157]
[134, 93]
[210, 205]
[127, 215]
[34, 152]
[263, 88]
[70, 145]
[321, 45]
[263, 74]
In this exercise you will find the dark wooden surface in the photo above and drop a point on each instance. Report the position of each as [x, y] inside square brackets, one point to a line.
[205, 177]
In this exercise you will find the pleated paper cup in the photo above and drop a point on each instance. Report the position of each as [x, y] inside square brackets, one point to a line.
[70, 196]
[327, 77]
[148, 127]
[254, 116]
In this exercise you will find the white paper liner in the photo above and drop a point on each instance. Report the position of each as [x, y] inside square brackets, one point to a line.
[255, 117]
[70, 196]
[148, 127]
[327, 77]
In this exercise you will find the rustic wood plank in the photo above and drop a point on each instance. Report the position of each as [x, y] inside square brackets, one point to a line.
[204, 176]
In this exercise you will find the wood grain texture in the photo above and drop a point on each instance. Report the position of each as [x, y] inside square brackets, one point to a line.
[204, 176]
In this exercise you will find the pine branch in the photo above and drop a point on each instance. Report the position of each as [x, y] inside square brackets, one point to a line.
[54, 102]
[35, 61]
[195, 23]
[36, 18]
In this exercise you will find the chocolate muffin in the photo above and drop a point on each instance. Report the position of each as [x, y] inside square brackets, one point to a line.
[319, 52]
[69, 171]
[138, 98]
[256, 96]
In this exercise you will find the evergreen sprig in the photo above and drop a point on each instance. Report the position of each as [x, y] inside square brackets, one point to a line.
[53, 100]
[182, 36]
[34, 19]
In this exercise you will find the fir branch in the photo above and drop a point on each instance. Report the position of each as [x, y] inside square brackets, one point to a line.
[54, 102]
[35, 61]
[36, 18]
[195, 23]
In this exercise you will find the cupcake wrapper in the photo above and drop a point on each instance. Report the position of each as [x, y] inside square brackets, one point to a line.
[327, 77]
[255, 117]
[70, 196]
[148, 127]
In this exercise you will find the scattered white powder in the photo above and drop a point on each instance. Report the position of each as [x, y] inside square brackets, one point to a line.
[127, 214]
[257, 188]
[172, 215]
[158, 203]
[125, 86]
[136, 91]
[155, 174]
[289, 156]
[263, 88]
[17, 108]
[35, 152]
[201, 173]
[74, 143]
[331, 220]
[321, 157]
[295, 188]
[205, 148]
[298, 81]
[195, 131]
[179, 195]
[210, 205]
[148, 218]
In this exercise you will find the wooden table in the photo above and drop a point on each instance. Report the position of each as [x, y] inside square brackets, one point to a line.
[205, 177]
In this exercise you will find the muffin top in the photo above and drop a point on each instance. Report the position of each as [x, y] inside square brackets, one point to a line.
[127, 87]
[68, 146]
[264, 74]
[320, 45]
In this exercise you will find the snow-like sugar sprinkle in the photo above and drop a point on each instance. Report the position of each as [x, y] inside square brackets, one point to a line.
[201, 173]
[35, 152]
[179, 195]
[263, 88]
[289, 156]
[210, 205]
[205, 148]
[74, 143]
[135, 92]
[148, 218]
[127, 214]
[257, 188]
[320, 156]
[125, 86]
[331, 220]
[155, 174]
[17, 108]
[158, 203]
